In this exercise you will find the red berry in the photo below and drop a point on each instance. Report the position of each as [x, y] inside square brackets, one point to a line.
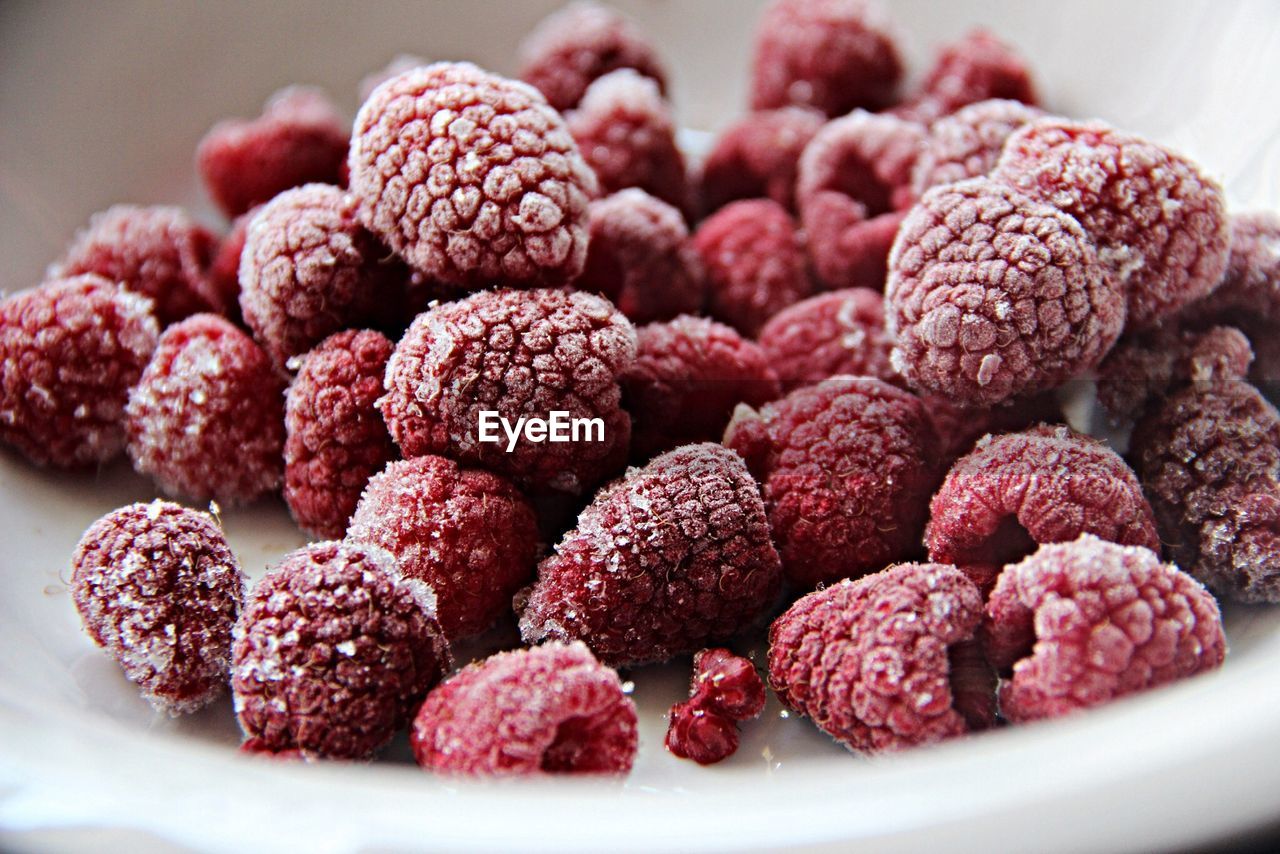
[758, 157]
[976, 68]
[967, 143]
[841, 332]
[727, 684]
[224, 272]
[1250, 288]
[958, 428]
[695, 732]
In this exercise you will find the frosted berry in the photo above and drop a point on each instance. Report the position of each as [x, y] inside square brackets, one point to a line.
[757, 157]
[977, 67]
[841, 332]
[967, 143]
[1250, 288]
[725, 690]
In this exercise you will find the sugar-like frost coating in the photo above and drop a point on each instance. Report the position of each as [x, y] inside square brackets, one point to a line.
[841, 332]
[967, 143]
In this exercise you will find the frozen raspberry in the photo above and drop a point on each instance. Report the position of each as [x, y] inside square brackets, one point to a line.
[299, 139]
[869, 660]
[640, 258]
[1250, 288]
[753, 257]
[847, 475]
[841, 332]
[157, 251]
[854, 179]
[206, 420]
[579, 44]
[665, 559]
[993, 295]
[976, 68]
[309, 269]
[725, 689]
[758, 157]
[552, 709]
[471, 178]
[958, 428]
[467, 533]
[69, 352]
[1081, 623]
[399, 64]
[1160, 225]
[688, 376]
[696, 733]
[1043, 485]
[967, 143]
[523, 355]
[1210, 461]
[627, 136]
[158, 588]
[333, 652]
[335, 437]
[834, 55]
[224, 271]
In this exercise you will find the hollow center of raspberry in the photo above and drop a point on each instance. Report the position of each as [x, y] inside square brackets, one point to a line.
[1009, 543]
[857, 179]
[576, 748]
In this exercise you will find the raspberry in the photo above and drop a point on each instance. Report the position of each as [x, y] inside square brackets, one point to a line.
[640, 258]
[978, 67]
[958, 428]
[1250, 288]
[688, 376]
[834, 55]
[299, 139]
[471, 178]
[553, 709]
[841, 332]
[224, 271]
[467, 533]
[521, 354]
[309, 269]
[663, 560]
[993, 295]
[333, 652]
[1085, 622]
[69, 352]
[335, 438]
[1043, 485]
[628, 137]
[158, 588]
[725, 689]
[967, 143]
[206, 419]
[1210, 461]
[846, 474]
[758, 157]
[582, 42]
[753, 257]
[1159, 223]
[868, 660]
[156, 251]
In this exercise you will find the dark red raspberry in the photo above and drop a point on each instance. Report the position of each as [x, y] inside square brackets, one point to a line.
[224, 271]
[335, 437]
[70, 350]
[1250, 288]
[1081, 623]
[978, 67]
[552, 709]
[582, 42]
[1043, 485]
[1159, 223]
[206, 420]
[869, 660]
[834, 55]
[399, 64]
[841, 332]
[665, 559]
[471, 178]
[688, 376]
[725, 689]
[753, 257]
[157, 251]
[697, 733]
[641, 259]
[299, 139]
[758, 157]
[993, 295]
[847, 475]
[158, 588]
[467, 533]
[333, 652]
[967, 143]
[521, 354]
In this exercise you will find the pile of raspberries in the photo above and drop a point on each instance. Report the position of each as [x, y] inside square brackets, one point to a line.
[827, 364]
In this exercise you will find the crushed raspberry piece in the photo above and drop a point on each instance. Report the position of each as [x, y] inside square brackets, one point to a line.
[699, 734]
[1081, 623]
[841, 332]
[156, 251]
[1159, 223]
[967, 143]
[335, 437]
[835, 55]
[224, 271]
[847, 475]
[206, 420]
[399, 64]
[753, 257]
[978, 67]
[467, 533]
[552, 709]
[158, 588]
[641, 259]
[869, 661]
[579, 44]
[70, 350]
[758, 157]
[299, 139]
[688, 376]
[471, 178]
[993, 295]
[725, 689]
[958, 428]
[663, 560]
